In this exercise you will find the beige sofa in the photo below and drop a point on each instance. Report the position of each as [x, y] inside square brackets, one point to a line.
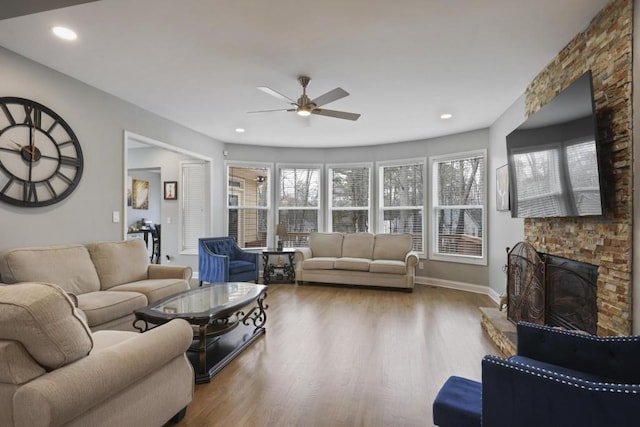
[55, 372]
[358, 259]
[109, 279]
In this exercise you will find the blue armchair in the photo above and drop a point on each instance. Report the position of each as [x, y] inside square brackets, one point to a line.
[557, 378]
[221, 260]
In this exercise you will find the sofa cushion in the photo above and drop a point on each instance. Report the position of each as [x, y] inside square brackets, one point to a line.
[154, 289]
[326, 244]
[356, 264]
[319, 263]
[358, 245]
[120, 262]
[69, 267]
[392, 246]
[103, 306]
[388, 266]
[44, 320]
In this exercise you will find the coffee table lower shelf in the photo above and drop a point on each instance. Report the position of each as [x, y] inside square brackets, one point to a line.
[221, 350]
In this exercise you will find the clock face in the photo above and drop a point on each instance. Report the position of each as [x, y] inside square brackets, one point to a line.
[40, 157]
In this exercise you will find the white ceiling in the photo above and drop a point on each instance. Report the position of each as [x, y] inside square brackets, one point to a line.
[404, 62]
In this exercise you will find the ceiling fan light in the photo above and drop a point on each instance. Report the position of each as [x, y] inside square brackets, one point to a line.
[304, 112]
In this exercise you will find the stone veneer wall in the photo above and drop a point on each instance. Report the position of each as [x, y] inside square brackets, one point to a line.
[605, 48]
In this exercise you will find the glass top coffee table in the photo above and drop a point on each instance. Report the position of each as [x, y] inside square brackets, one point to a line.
[228, 317]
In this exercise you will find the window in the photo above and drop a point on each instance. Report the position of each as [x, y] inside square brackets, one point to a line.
[248, 204]
[349, 198]
[402, 200]
[298, 200]
[459, 208]
[192, 194]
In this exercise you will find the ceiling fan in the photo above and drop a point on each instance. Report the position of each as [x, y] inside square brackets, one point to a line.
[305, 106]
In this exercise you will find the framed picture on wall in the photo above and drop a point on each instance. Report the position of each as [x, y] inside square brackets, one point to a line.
[502, 188]
[140, 194]
[171, 190]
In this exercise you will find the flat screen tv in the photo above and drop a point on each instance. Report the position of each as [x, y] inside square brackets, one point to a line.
[554, 168]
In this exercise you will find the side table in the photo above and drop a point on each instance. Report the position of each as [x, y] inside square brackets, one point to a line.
[278, 266]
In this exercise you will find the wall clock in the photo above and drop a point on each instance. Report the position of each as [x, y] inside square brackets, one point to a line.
[40, 157]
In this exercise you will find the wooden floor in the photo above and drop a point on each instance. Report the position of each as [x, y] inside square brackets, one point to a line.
[340, 356]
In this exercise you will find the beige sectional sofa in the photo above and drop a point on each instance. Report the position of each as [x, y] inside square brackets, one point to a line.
[109, 279]
[54, 371]
[367, 259]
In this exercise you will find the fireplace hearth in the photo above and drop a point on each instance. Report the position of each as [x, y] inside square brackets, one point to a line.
[551, 290]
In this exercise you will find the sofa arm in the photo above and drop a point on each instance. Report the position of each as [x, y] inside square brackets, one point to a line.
[251, 257]
[157, 271]
[302, 254]
[63, 394]
[527, 396]
[615, 358]
[411, 259]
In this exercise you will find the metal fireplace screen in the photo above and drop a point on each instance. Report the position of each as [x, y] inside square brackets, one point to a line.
[525, 285]
[551, 290]
[571, 294]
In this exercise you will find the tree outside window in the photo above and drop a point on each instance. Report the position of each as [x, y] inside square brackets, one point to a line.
[402, 200]
[459, 206]
[349, 198]
[299, 203]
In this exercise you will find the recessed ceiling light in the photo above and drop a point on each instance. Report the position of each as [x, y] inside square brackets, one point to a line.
[446, 116]
[240, 130]
[64, 33]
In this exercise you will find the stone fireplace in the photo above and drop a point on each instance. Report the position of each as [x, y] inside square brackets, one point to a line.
[605, 48]
[551, 290]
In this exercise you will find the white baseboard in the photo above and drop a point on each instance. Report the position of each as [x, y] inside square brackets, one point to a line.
[461, 286]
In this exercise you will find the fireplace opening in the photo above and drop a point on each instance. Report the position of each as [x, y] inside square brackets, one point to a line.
[551, 290]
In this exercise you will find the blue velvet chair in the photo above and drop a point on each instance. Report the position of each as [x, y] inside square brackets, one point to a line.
[557, 378]
[221, 260]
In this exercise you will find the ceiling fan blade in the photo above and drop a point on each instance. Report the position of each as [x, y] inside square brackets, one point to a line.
[272, 111]
[278, 95]
[336, 114]
[332, 95]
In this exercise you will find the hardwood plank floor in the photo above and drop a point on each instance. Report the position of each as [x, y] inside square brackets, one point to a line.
[341, 356]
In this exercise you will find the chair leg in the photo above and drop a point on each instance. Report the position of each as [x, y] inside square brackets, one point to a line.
[179, 416]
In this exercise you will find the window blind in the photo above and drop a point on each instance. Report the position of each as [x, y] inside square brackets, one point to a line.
[350, 198]
[299, 203]
[459, 207]
[402, 200]
[247, 204]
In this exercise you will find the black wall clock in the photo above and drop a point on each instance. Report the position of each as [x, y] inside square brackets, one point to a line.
[40, 157]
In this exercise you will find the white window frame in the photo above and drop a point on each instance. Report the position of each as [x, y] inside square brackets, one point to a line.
[433, 209]
[329, 205]
[249, 165]
[319, 208]
[381, 208]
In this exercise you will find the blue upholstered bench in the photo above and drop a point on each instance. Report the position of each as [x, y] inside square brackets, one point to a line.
[458, 403]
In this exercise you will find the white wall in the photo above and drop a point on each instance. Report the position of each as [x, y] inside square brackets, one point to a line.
[99, 120]
[504, 231]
